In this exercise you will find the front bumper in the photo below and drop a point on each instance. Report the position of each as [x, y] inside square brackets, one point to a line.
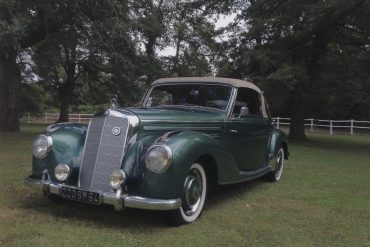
[118, 200]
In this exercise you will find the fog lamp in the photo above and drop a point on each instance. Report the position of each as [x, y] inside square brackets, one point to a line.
[62, 172]
[117, 178]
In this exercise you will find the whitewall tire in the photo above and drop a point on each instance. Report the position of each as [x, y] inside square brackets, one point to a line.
[194, 197]
[276, 174]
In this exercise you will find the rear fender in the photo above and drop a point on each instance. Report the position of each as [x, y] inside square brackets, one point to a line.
[278, 139]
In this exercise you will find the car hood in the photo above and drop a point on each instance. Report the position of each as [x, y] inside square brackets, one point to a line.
[180, 114]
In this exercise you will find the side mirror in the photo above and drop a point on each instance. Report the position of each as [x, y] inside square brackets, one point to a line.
[244, 111]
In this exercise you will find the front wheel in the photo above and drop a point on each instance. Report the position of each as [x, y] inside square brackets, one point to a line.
[194, 197]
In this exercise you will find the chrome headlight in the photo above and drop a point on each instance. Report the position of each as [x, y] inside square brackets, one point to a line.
[117, 178]
[41, 146]
[158, 158]
[62, 172]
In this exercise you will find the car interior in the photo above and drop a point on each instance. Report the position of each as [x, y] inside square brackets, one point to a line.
[249, 98]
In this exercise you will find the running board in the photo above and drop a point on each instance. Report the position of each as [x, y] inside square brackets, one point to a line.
[246, 176]
[256, 173]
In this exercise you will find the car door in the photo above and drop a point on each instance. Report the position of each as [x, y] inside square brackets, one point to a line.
[246, 137]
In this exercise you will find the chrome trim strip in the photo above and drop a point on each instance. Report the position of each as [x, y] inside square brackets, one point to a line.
[151, 204]
[230, 106]
[263, 169]
[118, 200]
[174, 121]
[246, 176]
[97, 156]
[132, 119]
[83, 154]
[180, 128]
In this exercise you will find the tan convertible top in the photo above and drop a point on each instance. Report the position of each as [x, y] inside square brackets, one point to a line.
[215, 80]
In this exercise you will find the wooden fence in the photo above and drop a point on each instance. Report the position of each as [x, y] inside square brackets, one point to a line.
[313, 125]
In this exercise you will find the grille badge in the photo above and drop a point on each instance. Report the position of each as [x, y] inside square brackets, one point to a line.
[116, 131]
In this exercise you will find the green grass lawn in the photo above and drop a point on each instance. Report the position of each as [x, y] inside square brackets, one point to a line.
[323, 199]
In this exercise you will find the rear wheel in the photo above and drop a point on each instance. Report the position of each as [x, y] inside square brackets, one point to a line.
[194, 197]
[275, 175]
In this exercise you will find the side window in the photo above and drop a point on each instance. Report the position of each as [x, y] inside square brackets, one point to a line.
[249, 98]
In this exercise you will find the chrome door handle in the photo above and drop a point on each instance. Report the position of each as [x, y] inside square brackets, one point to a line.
[233, 131]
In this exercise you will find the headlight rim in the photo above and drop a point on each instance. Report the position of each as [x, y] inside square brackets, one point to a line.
[49, 141]
[68, 172]
[169, 162]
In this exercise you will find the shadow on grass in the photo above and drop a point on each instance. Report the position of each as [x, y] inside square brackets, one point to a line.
[136, 219]
[223, 194]
[98, 216]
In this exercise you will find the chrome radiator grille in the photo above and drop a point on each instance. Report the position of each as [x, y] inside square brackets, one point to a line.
[103, 152]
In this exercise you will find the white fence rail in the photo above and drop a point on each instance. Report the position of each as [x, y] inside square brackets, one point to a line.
[314, 125]
[53, 117]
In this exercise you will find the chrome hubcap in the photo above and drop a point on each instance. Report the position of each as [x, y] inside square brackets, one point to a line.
[193, 192]
[279, 165]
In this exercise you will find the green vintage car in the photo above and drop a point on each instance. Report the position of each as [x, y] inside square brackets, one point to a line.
[188, 134]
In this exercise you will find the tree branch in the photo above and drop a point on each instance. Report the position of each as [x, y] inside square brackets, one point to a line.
[45, 25]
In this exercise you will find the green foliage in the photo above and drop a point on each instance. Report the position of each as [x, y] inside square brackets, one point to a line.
[310, 57]
[314, 51]
[35, 99]
[99, 49]
[89, 109]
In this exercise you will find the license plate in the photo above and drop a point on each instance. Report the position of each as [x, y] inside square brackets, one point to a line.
[79, 195]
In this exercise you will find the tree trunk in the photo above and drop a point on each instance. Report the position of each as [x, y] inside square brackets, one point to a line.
[65, 96]
[296, 130]
[151, 59]
[10, 83]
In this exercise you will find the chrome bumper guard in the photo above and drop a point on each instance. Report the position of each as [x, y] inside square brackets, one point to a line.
[118, 200]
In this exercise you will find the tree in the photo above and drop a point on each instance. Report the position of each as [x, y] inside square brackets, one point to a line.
[61, 59]
[58, 63]
[34, 99]
[92, 52]
[22, 25]
[284, 43]
[149, 18]
[192, 33]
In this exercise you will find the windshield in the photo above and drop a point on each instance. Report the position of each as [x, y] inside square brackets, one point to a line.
[213, 96]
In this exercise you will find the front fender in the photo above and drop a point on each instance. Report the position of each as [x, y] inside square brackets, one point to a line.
[68, 143]
[187, 147]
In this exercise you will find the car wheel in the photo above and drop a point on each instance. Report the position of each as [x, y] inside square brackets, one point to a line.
[193, 199]
[275, 175]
